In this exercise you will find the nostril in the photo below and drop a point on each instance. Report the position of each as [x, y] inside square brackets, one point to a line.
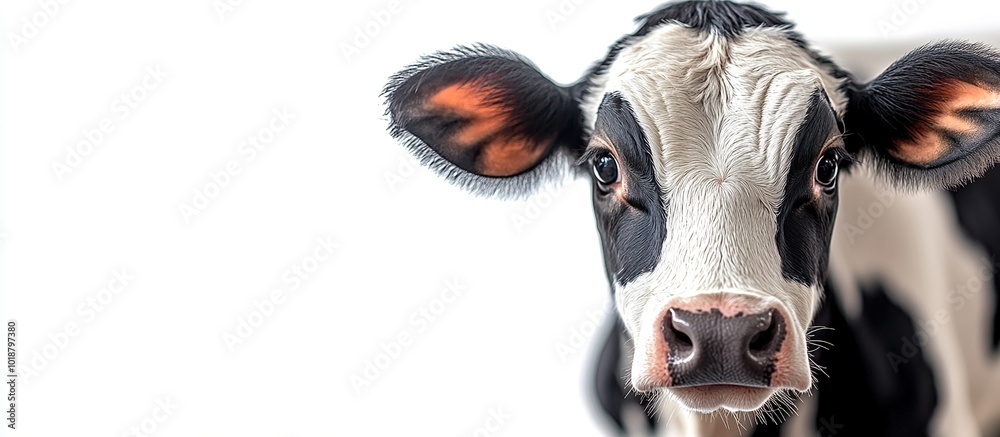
[682, 339]
[761, 340]
[680, 343]
[765, 343]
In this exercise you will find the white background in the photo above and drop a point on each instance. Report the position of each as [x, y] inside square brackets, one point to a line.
[332, 173]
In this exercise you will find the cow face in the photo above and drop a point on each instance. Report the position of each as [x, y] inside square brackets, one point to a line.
[728, 172]
[714, 138]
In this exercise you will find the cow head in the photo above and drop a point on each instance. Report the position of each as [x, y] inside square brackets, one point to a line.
[714, 138]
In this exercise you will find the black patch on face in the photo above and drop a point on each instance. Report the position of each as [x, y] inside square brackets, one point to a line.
[978, 208]
[878, 381]
[632, 231]
[805, 223]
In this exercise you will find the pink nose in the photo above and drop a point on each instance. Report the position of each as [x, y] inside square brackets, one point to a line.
[709, 348]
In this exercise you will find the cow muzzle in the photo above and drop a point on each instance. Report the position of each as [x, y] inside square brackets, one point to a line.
[724, 352]
[707, 348]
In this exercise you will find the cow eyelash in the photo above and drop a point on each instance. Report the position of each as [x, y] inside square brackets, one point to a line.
[844, 157]
[589, 154]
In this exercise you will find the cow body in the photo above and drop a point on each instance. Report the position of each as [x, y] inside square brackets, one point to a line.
[723, 150]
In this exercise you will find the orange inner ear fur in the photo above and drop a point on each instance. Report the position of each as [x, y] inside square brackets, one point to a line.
[929, 145]
[487, 127]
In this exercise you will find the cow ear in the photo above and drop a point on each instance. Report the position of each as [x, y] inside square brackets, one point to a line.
[932, 119]
[486, 119]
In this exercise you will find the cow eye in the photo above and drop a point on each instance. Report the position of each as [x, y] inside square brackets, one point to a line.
[606, 169]
[827, 169]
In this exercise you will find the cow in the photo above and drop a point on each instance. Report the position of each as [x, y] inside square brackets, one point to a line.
[790, 251]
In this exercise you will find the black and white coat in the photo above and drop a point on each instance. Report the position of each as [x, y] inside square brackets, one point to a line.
[722, 150]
